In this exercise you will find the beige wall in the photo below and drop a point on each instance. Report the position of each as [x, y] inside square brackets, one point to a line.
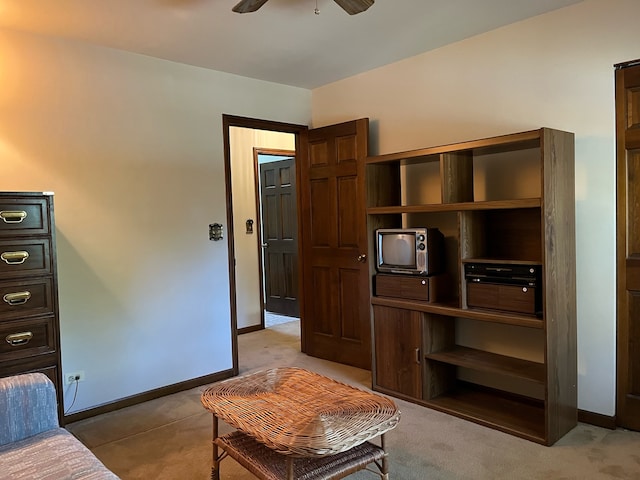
[242, 142]
[554, 70]
[132, 148]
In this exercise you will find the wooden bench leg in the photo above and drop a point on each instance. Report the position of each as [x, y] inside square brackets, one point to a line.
[290, 468]
[385, 463]
[215, 466]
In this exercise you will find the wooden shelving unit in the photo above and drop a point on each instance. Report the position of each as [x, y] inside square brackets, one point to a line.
[507, 200]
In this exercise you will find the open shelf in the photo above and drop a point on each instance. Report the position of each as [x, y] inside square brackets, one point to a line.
[520, 416]
[491, 362]
[486, 146]
[454, 311]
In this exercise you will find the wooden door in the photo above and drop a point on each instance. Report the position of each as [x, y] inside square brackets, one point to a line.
[336, 314]
[627, 78]
[280, 236]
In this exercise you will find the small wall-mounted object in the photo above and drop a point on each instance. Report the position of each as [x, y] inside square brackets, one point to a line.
[215, 232]
[249, 224]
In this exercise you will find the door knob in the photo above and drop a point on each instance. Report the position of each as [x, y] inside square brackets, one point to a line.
[265, 245]
[362, 258]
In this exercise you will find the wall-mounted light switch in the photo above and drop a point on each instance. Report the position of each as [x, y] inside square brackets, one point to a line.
[215, 232]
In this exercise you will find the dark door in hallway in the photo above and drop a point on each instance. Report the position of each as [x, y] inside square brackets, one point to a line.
[335, 283]
[280, 236]
[627, 78]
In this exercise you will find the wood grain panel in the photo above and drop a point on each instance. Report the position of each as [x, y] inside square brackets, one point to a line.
[456, 172]
[290, 276]
[633, 203]
[559, 281]
[350, 314]
[323, 312]
[633, 388]
[285, 176]
[270, 217]
[322, 218]
[398, 345]
[348, 221]
[273, 274]
[346, 149]
[288, 226]
[268, 179]
[318, 154]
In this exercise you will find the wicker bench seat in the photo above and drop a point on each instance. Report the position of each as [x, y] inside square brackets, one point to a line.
[311, 426]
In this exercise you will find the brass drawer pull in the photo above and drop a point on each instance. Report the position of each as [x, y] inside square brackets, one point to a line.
[13, 216]
[18, 298]
[17, 339]
[14, 258]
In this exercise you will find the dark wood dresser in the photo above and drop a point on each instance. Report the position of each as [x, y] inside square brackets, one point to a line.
[29, 320]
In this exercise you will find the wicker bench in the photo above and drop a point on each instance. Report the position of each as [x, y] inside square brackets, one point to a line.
[295, 424]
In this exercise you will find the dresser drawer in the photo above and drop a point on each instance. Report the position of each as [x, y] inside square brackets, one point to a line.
[409, 287]
[26, 298]
[509, 298]
[26, 338]
[19, 258]
[46, 364]
[24, 216]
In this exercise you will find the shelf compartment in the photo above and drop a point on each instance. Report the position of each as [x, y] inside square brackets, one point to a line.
[520, 416]
[503, 143]
[502, 234]
[508, 175]
[451, 310]
[491, 362]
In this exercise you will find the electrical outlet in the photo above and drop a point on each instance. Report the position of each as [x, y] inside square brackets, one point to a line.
[70, 378]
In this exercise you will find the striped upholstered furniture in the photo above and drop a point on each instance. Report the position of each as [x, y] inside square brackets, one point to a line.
[32, 445]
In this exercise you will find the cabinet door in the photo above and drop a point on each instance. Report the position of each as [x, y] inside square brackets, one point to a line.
[398, 350]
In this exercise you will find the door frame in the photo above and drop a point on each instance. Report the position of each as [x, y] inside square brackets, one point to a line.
[257, 151]
[300, 133]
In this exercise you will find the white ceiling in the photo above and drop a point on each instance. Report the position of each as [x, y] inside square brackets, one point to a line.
[283, 42]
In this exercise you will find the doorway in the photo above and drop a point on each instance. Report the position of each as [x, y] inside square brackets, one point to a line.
[243, 139]
[333, 267]
[276, 204]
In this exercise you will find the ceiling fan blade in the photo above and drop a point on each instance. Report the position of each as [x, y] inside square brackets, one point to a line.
[354, 6]
[247, 6]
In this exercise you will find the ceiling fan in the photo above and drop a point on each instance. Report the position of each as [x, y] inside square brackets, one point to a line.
[350, 6]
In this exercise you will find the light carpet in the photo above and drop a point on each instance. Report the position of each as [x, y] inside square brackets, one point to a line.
[170, 438]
